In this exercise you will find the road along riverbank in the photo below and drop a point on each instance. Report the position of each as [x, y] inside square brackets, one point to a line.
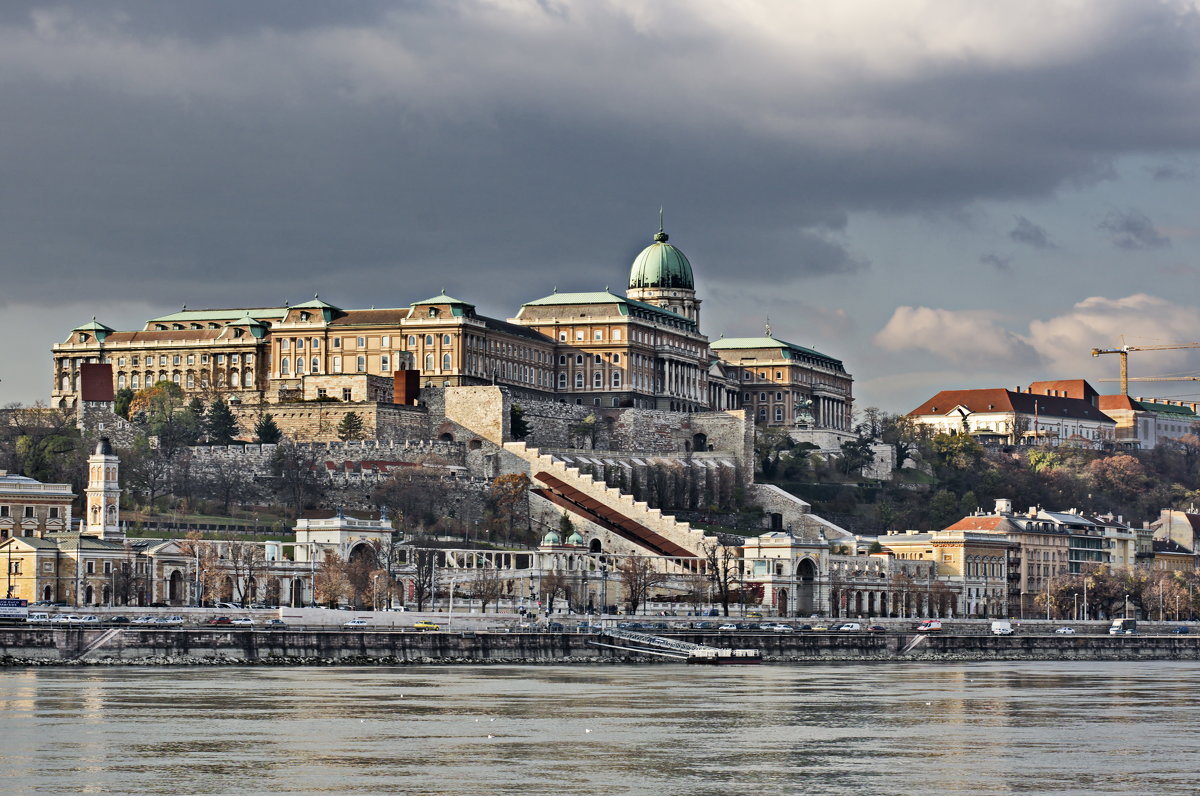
[30, 646]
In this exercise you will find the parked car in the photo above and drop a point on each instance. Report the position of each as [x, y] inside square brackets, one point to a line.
[220, 620]
[805, 628]
[779, 627]
[930, 626]
[876, 629]
[1065, 631]
[143, 620]
[552, 627]
[755, 615]
[425, 624]
[820, 628]
[276, 623]
[64, 619]
[118, 620]
[242, 620]
[90, 619]
[169, 620]
[1181, 630]
[727, 627]
[706, 625]
[356, 623]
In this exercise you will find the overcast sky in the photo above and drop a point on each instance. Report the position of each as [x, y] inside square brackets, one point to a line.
[942, 194]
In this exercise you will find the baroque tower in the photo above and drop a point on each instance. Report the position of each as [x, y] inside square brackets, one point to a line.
[103, 494]
[661, 275]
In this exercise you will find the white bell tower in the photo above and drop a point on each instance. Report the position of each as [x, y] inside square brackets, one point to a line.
[103, 512]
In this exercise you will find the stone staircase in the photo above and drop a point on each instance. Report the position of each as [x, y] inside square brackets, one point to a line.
[680, 534]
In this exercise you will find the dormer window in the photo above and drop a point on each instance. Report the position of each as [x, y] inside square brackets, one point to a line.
[178, 327]
[83, 338]
[162, 327]
[197, 326]
[304, 316]
[433, 312]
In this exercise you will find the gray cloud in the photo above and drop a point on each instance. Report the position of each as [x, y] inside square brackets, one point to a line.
[1030, 234]
[1132, 230]
[1174, 169]
[997, 261]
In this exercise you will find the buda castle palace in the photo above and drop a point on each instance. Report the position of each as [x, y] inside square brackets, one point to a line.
[644, 349]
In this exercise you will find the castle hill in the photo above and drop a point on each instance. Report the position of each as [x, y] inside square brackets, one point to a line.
[593, 479]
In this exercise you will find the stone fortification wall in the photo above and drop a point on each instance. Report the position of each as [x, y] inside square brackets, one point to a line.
[706, 481]
[317, 421]
[795, 513]
[98, 420]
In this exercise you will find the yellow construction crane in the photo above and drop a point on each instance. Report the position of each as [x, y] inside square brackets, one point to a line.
[1124, 353]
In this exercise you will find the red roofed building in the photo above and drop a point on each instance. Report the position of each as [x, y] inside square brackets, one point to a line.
[1052, 416]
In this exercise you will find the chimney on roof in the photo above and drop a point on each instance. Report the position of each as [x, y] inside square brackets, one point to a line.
[1018, 389]
[1003, 506]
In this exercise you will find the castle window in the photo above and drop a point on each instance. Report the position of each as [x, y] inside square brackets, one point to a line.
[428, 362]
[322, 392]
[284, 344]
[597, 359]
[562, 381]
[162, 359]
[203, 359]
[299, 343]
[83, 338]
[616, 334]
[135, 382]
[412, 340]
[579, 359]
[578, 380]
[597, 379]
[315, 343]
[362, 342]
[304, 316]
[299, 365]
[579, 335]
[191, 359]
[133, 360]
[347, 395]
[3, 511]
[433, 312]
[616, 359]
[235, 379]
[283, 367]
[337, 364]
[28, 512]
[445, 362]
[336, 342]
[778, 414]
[445, 339]
[385, 341]
[191, 381]
[235, 359]
[428, 339]
[361, 364]
[562, 359]
[616, 378]
[175, 378]
[54, 512]
[120, 381]
[598, 335]
[316, 365]
[385, 362]
[562, 337]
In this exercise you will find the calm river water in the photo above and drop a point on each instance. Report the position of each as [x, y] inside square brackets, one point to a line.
[857, 729]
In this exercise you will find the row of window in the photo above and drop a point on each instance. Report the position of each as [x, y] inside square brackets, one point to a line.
[29, 513]
[179, 359]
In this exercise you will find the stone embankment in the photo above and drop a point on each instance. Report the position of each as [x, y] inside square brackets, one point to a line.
[213, 646]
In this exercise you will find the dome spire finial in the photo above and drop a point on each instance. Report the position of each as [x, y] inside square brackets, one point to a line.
[768, 325]
[660, 236]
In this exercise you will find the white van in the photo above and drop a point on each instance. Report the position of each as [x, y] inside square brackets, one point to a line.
[930, 626]
[37, 617]
[850, 627]
[1002, 627]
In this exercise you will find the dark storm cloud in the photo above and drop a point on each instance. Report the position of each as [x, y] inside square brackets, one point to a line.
[1030, 234]
[1132, 230]
[999, 262]
[378, 152]
[1176, 169]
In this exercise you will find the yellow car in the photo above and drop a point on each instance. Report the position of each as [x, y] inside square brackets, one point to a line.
[425, 625]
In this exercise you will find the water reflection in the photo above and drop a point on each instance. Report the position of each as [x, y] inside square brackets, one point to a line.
[879, 728]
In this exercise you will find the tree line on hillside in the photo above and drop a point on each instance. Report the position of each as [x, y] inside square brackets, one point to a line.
[949, 476]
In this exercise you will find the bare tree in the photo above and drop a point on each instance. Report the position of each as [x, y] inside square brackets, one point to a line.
[424, 561]
[723, 563]
[486, 586]
[206, 559]
[246, 564]
[640, 577]
[553, 585]
[331, 583]
[225, 481]
[294, 476]
[129, 582]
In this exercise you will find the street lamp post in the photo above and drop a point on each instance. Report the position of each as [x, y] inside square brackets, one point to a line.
[1126, 606]
[375, 592]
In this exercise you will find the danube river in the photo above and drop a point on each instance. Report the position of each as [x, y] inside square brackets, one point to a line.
[663, 729]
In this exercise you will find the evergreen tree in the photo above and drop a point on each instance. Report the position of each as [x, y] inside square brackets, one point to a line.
[121, 402]
[220, 423]
[266, 431]
[518, 425]
[351, 427]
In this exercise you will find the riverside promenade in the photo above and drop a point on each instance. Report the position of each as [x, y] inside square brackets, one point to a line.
[39, 646]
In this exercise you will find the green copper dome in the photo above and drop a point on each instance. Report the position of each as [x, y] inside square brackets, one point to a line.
[661, 265]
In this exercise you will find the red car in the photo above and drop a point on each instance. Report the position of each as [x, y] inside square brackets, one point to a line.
[220, 620]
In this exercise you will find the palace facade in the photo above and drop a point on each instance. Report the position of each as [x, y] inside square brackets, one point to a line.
[644, 349]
